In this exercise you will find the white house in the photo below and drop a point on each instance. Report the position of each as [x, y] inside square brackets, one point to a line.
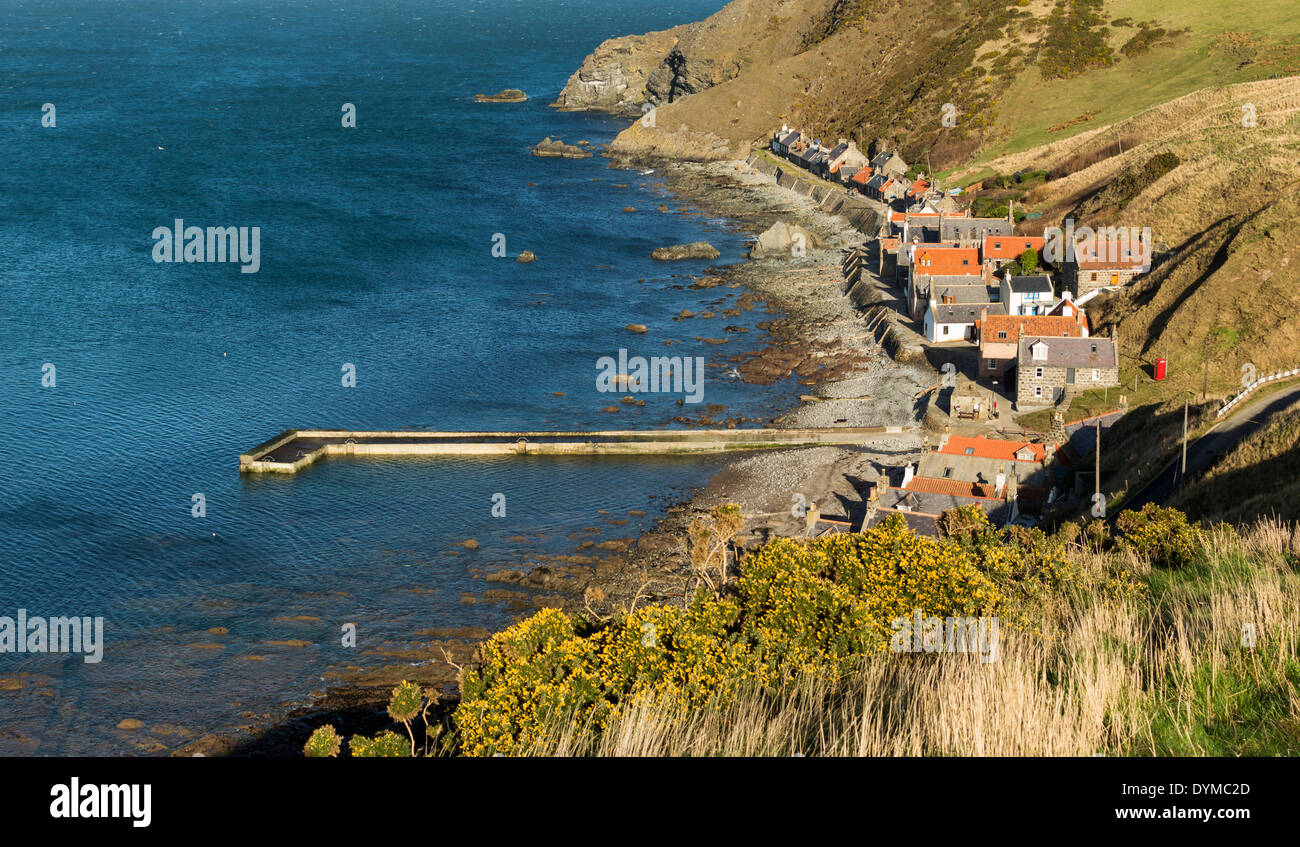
[1027, 295]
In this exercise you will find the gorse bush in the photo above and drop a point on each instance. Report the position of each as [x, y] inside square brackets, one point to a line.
[800, 608]
[406, 702]
[1162, 535]
[551, 666]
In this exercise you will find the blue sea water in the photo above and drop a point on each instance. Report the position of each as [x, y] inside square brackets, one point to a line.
[376, 251]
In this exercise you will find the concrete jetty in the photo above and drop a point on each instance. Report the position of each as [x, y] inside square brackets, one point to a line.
[295, 449]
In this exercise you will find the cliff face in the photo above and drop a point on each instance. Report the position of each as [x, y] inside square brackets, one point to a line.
[664, 67]
[615, 76]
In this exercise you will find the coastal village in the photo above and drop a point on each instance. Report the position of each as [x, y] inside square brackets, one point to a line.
[1005, 327]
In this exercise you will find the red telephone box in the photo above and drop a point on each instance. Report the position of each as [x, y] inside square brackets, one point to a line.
[1160, 368]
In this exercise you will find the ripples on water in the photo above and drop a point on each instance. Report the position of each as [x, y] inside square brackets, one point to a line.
[375, 251]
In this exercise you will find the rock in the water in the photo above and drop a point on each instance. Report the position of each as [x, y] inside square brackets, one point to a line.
[780, 241]
[469, 544]
[555, 148]
[129, 724]
[695, 250]
[629, 208]
[526, 257]
[505, 95]
[635, 328]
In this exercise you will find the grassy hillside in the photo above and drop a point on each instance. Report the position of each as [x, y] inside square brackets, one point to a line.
[1261, 476]
[1019, 73]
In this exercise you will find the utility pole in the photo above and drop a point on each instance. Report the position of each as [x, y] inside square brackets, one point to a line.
[1205, 378]
[1183, 473]
[1097, 464]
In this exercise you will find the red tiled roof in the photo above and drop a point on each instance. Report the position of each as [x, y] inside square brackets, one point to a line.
[991, 448]
[896, 217]
[918, 187]
[947, 261]
[952, 488]
[1010, 246]
[1015, 325]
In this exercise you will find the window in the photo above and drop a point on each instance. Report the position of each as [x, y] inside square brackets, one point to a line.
[1096, 375]
[969, 451]
[1094, 348]
[1002, 333]
[997, 245]
[945, 329]
[1038, 391]
[1040, 351]
[993, 365]
[1038, 373]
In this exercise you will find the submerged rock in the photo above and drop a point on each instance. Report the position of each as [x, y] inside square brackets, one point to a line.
[526, 257]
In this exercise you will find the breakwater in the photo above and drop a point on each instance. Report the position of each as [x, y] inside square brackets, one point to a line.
[295, 449]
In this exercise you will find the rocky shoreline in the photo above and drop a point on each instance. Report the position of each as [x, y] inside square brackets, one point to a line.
[817, 336]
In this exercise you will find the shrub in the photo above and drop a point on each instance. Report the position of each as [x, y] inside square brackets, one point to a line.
[385, 745]
[323, 744]
[799, 607]
[1163, 535]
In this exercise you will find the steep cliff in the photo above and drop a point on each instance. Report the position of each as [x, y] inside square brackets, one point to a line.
[664, 67]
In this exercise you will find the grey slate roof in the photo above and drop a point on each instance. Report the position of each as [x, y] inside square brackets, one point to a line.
[1068, 352]
[956, 229]
[1036, 284]
[965, 313]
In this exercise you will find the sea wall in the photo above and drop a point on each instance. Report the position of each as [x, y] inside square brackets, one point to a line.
[865, 215]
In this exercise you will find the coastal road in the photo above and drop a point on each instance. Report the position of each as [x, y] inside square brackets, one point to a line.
[1222, 437]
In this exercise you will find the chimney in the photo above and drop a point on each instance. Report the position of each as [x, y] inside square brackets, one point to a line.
[1012, 485]
[1049, 450]
[1000, 482]
[907, 475]
[943, 442]
[1011, 211]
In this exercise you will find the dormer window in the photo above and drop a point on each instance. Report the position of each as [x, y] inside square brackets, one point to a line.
[1040, 351]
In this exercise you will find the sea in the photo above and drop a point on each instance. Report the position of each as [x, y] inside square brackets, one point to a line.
[381, 300]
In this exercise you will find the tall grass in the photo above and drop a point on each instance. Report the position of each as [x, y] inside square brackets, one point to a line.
[1168, 673]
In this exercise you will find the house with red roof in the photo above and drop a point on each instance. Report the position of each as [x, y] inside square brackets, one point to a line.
[1010, 480]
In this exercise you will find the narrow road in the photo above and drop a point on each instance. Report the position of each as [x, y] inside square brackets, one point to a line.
[1206, 450]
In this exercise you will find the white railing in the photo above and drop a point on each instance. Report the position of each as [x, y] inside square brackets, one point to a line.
[1249, 389]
